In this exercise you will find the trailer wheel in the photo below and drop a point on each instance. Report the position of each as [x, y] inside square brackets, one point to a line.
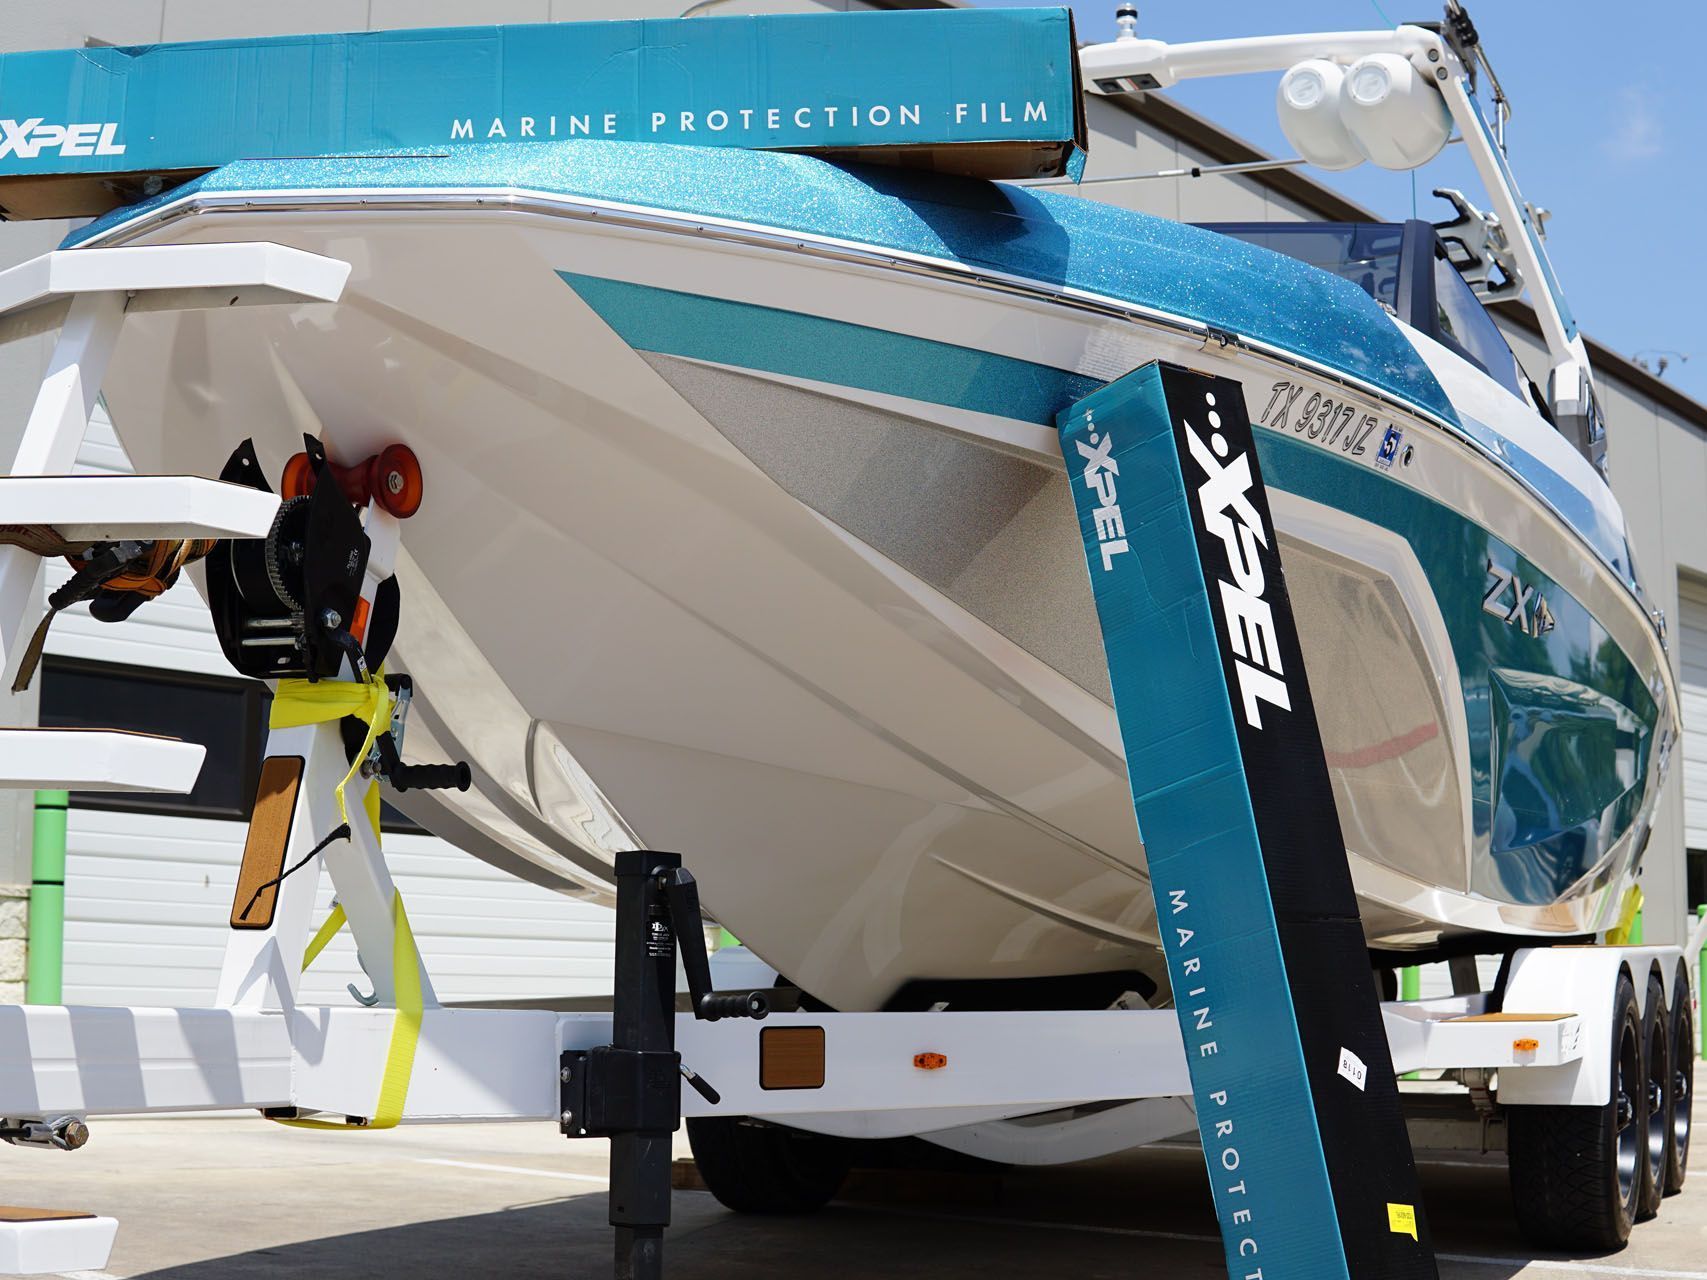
[1577, 1172]
[754, 1167]
[1656, 1124]
[1682, 1082]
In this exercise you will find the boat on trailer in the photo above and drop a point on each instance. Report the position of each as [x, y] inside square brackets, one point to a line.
[748, 535]
[748, 532]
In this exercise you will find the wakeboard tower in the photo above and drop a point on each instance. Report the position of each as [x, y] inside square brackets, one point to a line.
[768, 443]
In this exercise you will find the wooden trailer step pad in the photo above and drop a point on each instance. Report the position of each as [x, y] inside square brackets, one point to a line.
[269, 837]
[17, 1213]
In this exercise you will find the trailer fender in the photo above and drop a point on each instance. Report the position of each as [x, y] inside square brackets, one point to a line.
[1581, 980]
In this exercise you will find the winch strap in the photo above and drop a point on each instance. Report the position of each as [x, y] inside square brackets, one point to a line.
[89, 578]
[302, 702]
[146, 575]
[32, 653]
[40, 539]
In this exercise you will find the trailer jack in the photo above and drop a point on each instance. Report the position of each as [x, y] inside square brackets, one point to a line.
[630, 1090]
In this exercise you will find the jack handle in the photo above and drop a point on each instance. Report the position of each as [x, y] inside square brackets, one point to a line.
[681, 893]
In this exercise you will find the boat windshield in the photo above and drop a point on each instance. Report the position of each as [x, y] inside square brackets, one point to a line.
[1463, 322]
[1365, 253]
[1404, 268]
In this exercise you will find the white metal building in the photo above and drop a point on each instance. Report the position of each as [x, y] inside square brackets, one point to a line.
[1691, 639]
[149, 891]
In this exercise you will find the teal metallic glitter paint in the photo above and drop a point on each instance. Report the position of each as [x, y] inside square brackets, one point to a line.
[1055, 239]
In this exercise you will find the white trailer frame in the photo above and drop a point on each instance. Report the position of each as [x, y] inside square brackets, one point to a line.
[475, 1064]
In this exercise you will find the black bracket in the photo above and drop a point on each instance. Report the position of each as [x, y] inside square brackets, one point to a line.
[630, 1090]
[607, 1091]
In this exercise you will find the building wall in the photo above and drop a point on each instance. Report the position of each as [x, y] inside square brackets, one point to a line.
[63, 24]
[148, 897]
[1123, 145]
[1689, 632]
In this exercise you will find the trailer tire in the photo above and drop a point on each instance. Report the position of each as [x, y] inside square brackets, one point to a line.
[1682, 1082]
[755, 1167]
[1567, 1185]
[1656, 1118]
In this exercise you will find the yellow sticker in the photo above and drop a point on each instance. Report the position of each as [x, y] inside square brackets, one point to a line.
[1402, 1219]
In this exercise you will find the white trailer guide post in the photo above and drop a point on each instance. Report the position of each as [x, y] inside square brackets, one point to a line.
[1574, 1034]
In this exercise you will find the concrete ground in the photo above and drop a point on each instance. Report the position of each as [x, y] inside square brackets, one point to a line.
[229, 1198]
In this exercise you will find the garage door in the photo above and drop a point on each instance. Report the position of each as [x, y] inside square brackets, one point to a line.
[148, 894]
[1691, 640]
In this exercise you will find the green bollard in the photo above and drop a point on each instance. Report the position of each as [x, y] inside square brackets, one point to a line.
[45, 955]
[1410, 988]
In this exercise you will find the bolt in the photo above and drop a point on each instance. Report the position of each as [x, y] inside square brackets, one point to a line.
[330, 618]
[1434, 55]
[563, 1074]
[394, 481]
[568, 1119]
[1440, 73]
[74, 1134]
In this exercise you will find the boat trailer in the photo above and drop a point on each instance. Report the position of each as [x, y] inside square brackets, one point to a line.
[1547, 1029]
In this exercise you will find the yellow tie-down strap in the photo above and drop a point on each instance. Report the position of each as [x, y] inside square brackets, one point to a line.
[298, 702]
[405, 1027]
[1619, 935]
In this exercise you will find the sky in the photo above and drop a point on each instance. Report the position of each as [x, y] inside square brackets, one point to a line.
[1609, 122]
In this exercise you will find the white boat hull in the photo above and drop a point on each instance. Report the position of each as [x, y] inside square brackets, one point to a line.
[835, 645]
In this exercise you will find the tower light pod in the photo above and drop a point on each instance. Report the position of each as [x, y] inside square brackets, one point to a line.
[1394, 115]
[1308, 103]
